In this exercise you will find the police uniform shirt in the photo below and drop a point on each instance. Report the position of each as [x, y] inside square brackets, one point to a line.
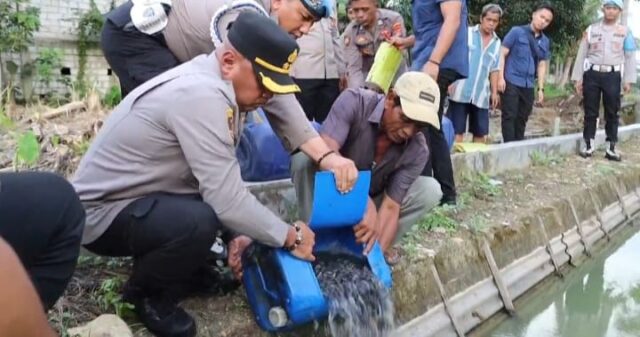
[321, 54]
[360, 45]
[607, 45]
[176, 133]
[188, 31]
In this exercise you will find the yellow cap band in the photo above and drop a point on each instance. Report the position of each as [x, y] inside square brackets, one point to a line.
[277, 88]
[271, 66]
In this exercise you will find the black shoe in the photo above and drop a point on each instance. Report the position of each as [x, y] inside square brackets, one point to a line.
[447, 200]
[213, 280]
[162, 316]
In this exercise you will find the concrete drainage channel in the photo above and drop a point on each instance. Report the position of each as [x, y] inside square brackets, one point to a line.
[468, 281]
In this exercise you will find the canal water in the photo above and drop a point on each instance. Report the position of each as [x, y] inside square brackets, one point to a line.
[600, 298]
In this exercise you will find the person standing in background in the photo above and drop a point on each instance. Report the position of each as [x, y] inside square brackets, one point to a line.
[525, 51]
[607, 50]
[474, 95]
[319, 70]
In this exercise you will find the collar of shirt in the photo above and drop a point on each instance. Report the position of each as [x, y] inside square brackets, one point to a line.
[376, 114]
[476, 29]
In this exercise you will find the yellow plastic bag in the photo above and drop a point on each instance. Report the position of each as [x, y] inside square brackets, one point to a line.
[469, 147]
[385, 66]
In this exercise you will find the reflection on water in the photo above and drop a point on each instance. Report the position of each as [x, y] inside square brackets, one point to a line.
[600, 299]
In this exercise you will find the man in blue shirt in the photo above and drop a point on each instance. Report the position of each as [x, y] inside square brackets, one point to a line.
[440, 50]
[525, 50]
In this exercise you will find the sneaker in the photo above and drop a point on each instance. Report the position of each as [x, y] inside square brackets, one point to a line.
[587, 150]
[612, 155]
[161, 315]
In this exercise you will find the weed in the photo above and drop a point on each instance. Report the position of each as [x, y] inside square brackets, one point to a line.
[439, 217]
[28, 149]
[112, 97]
[478, 223]
[605, 170]
[483, 187]
[108, 297]
[81, 147]
[539, 158]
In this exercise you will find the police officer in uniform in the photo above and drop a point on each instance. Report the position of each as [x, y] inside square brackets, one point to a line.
[362, 37]
[605, 60]
[161, 177]
[143, 38]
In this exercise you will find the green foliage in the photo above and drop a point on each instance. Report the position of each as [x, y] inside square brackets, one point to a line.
[483, 187]
[89, 28]
[540, 158]
[554, 91]
[109, 298]
[28, 149]
[439, 217]
[49, 60]
[112, 97]
[18, 23]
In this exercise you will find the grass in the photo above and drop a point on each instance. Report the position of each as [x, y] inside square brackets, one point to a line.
[539, 158]
[552, 91]
[483, 187]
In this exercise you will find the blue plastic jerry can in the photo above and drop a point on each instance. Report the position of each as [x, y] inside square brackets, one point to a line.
[283, 291]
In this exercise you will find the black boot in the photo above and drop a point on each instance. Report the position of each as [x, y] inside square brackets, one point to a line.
[160, 313]
[611, 153]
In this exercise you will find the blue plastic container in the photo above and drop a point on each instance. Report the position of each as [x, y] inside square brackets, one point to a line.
[283, 291]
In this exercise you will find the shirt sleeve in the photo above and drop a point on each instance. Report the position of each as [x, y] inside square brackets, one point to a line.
[630, 62]
[546, 51]
[352, 59]
[203, 134]
[578, 69]
[289, 121]
[404, 176]
[341, 116]
[511, 38]
[338, 50]
[495, 66]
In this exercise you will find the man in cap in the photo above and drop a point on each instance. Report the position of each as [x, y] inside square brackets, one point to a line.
[161, 177]
[526, 51]
[363, 37]
[606, 58]
[138, 51]
[381, 133]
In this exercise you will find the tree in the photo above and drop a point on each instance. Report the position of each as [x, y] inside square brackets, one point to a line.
[18, 23]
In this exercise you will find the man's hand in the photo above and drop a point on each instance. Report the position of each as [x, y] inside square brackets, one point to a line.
[366, 231]
[495, 100]
[502, 85]
[304, 250]
[627, 88]
[344, 170]
[540, 99]
[401, 42]
[578, 87]
[236, 248]
[432, 70]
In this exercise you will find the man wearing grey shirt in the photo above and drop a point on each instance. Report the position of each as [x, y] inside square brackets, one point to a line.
[380, 133]
[161, 177]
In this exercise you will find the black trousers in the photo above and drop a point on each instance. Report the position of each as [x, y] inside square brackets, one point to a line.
[439, 163]
[606, 85]
[169, 237]
[42, 219]
[517, 103]
[317, 96]
[135, 57]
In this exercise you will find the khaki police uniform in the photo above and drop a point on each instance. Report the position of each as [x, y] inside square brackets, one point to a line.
[161, 178]
[318, 69]
[606, 58]
[360, 44]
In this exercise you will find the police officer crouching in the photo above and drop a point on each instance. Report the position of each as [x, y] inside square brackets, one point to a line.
[161, 177]
[606, 58]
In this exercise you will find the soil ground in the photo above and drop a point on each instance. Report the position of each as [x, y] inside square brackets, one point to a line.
[484, 202]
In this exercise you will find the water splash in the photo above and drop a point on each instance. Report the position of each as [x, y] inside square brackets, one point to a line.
[359, 304]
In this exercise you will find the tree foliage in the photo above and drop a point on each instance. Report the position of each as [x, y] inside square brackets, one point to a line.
[18, 23]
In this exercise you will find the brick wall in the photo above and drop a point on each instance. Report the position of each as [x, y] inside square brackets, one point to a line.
[58, 29]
